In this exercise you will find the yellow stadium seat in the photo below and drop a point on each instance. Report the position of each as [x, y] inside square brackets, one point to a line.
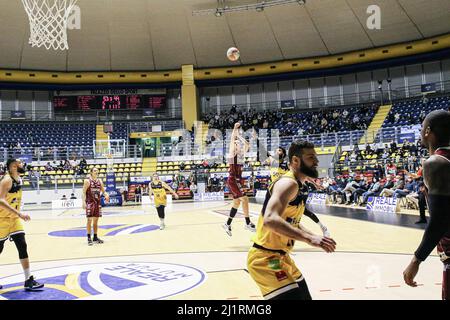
[127, 165]
[26, 183]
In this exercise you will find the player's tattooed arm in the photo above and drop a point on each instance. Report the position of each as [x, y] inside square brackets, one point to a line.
[284, 191]
[5, 186]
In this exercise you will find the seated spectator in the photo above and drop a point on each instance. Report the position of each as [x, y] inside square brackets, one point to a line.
[362, 188]
[64, 197]
[391, 169]
[349, 189]
[72, 196]
[398, 185]
[48, 167]
[374, 190]
[67, 165]
[409, 188]
[388, 185]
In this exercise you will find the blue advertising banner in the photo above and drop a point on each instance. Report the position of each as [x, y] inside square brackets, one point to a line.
[428, 88]
[410, 136]
[382, 204]
[288, 104]
[115, 198]
[18, 115]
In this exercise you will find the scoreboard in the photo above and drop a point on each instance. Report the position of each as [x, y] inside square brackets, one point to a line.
[109, 102]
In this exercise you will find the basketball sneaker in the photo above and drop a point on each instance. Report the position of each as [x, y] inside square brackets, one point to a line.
[98, 241]
[162, 226]
[32, 285]
[90, 243]
[251, 227]
[227, 228]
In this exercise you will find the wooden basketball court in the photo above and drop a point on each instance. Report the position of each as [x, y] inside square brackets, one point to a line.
[193, 258]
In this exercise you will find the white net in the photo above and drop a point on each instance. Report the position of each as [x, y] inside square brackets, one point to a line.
[48, 22]
[110, 148]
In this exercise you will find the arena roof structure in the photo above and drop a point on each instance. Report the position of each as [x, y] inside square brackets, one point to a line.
[155, 35]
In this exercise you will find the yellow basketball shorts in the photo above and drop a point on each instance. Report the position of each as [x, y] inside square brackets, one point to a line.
[9, 227]
[160, 202]
[273, 272]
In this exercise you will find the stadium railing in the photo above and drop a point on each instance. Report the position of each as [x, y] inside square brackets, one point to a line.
[347, 100]
[49, 154]
[332, 139]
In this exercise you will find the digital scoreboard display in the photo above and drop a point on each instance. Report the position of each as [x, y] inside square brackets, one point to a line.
[109, 102]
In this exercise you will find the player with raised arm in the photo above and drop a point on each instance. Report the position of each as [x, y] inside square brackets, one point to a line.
[436, 174]
[269, 263]
[236, 160]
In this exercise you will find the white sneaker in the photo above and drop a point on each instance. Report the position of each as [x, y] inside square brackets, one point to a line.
[162, 226]
[251, 227]
[227, 229]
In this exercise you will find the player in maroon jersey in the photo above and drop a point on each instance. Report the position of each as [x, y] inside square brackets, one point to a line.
[92, 190]
[436, 174]
[235, 161]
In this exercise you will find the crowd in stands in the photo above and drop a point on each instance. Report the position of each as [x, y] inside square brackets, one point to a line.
[299, 123]
[407, 155]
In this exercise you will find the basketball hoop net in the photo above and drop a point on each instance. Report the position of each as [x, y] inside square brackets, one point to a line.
[48, 22]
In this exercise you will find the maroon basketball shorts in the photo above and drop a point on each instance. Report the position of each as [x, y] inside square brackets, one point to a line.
[235, 188]
[93, 210]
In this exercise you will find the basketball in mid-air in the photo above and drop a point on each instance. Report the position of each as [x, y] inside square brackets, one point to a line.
[233, 54]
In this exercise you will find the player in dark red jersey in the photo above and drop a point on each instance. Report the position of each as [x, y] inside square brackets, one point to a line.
[436, 174]
[92, 190]
[236, 161]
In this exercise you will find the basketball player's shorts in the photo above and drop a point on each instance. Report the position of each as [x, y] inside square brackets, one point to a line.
[446, 281]
[235, 188]
[274, 273]
[10, 227]
[93, 210]
[160, 201]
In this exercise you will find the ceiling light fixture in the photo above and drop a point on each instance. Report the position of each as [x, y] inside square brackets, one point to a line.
[259, 6]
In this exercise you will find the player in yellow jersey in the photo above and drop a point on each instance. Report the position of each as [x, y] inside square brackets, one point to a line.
[10, 215]
[268, 262]
[158, 189]
[279, 165]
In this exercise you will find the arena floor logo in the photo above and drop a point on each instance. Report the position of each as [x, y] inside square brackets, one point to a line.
[107, 230]
[107, 281]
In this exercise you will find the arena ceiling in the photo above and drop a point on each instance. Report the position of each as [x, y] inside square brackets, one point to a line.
[164, 34]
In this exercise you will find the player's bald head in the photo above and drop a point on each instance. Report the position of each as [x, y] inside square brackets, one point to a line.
[436, 129]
